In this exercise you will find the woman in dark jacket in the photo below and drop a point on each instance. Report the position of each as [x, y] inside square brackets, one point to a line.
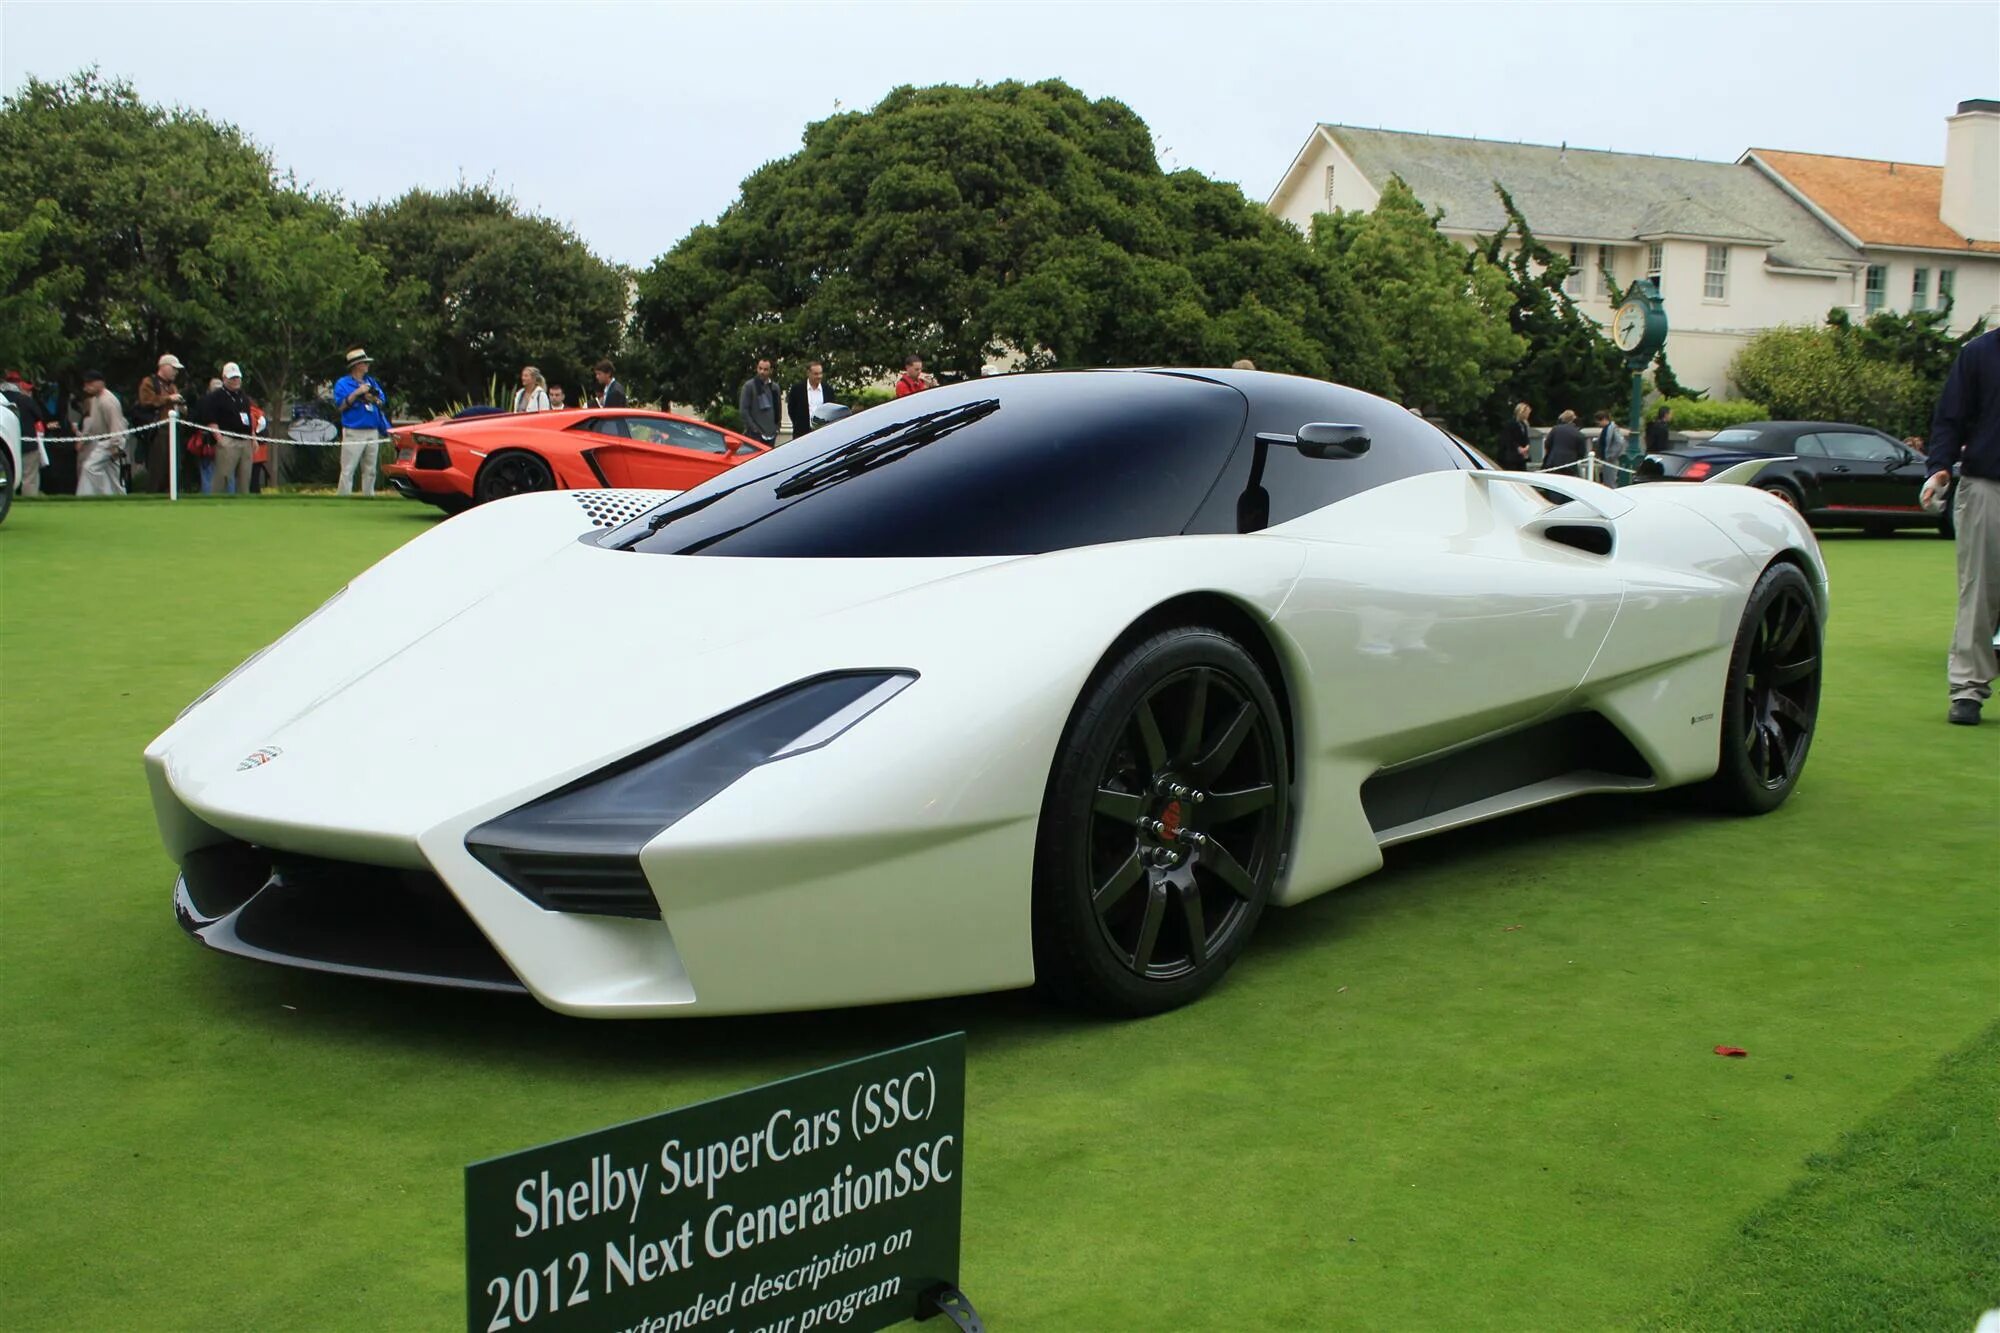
[1657, 430]
[1514, 438]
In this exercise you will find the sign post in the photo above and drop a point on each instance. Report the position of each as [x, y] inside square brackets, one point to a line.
[826, 1201]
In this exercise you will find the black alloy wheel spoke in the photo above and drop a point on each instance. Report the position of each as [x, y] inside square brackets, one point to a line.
[1791, 673]
[1217, 759]
[1149, 928]
[1113, 890]
[1790, 710]
[1775, 748]
[1197, 713]
[1123, 806]
[1791, 623]
[1149, 734]
[1197, 927]
[1224, 806]
[1217, 859]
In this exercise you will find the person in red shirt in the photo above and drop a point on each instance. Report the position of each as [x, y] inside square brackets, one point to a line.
[912, 380]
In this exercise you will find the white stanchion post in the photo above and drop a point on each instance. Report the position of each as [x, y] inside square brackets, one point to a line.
[173, 454]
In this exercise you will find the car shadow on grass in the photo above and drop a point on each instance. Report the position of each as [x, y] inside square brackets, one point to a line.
[515, 1031]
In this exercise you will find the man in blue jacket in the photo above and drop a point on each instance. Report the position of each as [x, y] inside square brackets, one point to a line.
[1966, 431]
[364, 422]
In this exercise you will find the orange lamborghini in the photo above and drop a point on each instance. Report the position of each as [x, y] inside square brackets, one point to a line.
[459, 462]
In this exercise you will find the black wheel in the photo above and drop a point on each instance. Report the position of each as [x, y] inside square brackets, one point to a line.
[1163, 828]
[515, 472]
[1770, 702]
[6, 483]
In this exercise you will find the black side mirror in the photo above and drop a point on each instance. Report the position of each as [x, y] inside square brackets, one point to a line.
[1328, 439]
[826, 413]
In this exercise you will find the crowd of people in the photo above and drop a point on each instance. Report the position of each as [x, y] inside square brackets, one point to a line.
[1566, 447]
[223, 432]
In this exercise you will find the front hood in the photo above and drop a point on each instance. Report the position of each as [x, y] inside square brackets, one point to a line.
[497, 656]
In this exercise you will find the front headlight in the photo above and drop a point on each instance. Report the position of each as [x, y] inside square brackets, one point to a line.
[577, 849]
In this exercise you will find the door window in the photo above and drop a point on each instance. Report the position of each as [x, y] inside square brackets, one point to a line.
[656, 430]
[1855, 447]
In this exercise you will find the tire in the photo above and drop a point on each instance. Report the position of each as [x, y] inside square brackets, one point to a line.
[512, 472]
[1770, 702]
[1164, 826]
[6, 483]
[1785, 493]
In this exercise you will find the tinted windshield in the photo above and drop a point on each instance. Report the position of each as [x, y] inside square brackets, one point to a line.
[1011, 466]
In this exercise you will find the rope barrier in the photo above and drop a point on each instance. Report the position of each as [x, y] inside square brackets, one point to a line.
[96, 439]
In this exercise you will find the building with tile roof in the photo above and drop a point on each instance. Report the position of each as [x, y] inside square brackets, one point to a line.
[1735, 247]
[1927, 234]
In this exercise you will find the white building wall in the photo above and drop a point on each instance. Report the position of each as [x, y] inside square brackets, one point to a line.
[1303, 192]
[1977, 290]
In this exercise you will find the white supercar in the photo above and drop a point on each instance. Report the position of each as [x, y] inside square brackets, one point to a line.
[1059, 677]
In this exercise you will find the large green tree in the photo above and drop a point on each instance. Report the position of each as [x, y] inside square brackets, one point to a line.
[293, 289]
[485, 288]
[129, 229]
[33, 294]
[1449, 306]
[1569, 362]
[972, 224]
[1828, 374]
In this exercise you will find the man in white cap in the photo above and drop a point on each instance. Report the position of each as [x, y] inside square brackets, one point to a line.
[158, 395]
[225, 409]
[364, 421]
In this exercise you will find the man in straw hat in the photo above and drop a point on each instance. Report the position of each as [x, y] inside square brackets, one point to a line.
[364, 422]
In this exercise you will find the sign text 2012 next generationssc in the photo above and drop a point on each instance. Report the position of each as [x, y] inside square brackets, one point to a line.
[829, 1200]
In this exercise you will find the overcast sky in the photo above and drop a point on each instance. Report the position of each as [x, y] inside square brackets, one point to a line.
[634, 122]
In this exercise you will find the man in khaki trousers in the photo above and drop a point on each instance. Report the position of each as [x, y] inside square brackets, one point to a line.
[1966, 431]
[364, 421]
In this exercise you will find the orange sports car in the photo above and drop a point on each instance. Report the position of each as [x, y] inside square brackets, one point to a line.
[459, 462]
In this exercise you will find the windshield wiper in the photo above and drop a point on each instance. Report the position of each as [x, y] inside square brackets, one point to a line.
[885, 445]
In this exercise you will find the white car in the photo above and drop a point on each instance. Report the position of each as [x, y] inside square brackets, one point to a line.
[1060, 677]
[10, 455]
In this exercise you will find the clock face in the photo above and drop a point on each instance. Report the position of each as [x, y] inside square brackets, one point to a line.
[1629, 327]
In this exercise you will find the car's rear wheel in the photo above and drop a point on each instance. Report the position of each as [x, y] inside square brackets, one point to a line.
[1163, 827]
[512, 472]
[1770, 704]
[6, 483]
[1784, 493]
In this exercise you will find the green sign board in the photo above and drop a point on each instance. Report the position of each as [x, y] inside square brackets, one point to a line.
[830, 1200]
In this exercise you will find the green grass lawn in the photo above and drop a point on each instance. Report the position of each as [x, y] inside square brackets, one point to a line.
[1474, 1092]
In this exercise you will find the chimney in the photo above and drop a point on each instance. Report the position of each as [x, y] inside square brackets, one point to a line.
[1970, 205]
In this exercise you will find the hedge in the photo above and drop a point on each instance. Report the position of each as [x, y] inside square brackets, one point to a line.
[1711, 414]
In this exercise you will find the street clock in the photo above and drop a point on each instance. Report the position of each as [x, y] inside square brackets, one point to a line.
[1640, 326]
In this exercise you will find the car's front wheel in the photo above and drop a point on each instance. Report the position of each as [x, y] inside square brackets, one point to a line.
[1163, 827]
[1770, 703]
[512, 472]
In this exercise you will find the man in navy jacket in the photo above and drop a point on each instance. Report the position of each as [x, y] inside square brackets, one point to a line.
[1966, 430]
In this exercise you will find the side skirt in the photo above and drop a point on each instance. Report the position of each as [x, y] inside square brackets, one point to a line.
[1550, 761]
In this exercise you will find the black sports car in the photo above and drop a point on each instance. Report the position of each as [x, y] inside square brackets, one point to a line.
[1838, 475]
